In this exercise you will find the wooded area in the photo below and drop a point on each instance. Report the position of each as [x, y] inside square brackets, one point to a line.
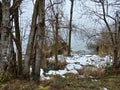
[45, 40]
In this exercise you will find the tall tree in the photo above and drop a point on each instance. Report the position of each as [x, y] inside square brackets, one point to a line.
[70, 27]
[36, 39]
[39, 37]
[0, 12]
[104, 15]
[56, 14]
[55, 32]
[0, 26]
[31, 41]
[56, 40]
[6, 40]
[18, 37]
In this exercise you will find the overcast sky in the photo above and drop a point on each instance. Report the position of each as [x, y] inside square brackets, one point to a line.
[27, 6]
[78, 19]
[83, 21]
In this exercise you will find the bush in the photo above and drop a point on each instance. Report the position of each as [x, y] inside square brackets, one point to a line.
[5, 77]
[109, 70]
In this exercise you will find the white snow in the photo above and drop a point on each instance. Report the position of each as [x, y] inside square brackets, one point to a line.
[105, 88]
[77, 62]
[42, 76]
[60, 58]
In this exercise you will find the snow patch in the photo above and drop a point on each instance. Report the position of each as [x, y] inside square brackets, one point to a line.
[78, 62]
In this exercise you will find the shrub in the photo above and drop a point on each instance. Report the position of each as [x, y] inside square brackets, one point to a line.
[60, 65]
[5, 77]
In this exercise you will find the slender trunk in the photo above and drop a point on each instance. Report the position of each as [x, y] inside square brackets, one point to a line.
[115, 57]
[18, 39]
[12, 63]
[31, 41]
[0, 13]
[116, 62]
[56, 42]
[70, 27]
[0, 26]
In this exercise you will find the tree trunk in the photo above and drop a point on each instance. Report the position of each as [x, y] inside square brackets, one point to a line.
[31, 41]
[5, 36]
[0, 26]
[56, 42]
[12, 60]
[18, 39]
[70, 27]
[0, 13]
[114, 38]
[40, 37]
[115, 58]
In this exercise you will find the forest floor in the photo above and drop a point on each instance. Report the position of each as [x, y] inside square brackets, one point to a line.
[73, 82]
[86, 72]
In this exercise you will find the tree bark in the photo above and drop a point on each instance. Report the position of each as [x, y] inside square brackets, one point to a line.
[31, 41]
[56, 42]
[18, 39]
[40, 37]
[0, 26]
[7, 50]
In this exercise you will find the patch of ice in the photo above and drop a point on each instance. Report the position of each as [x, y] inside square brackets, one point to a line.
[73, 71]
[77, 66]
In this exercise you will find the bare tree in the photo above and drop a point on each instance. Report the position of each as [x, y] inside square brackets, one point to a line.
[18, 36]
[39, 37]
[56, 14]
[35, 42]
[105, 16]
[70, 26]
[31, 41]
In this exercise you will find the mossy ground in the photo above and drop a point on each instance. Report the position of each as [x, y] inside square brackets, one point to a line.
[111, 82]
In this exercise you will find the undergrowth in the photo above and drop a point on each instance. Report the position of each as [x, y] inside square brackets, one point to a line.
[69, 82]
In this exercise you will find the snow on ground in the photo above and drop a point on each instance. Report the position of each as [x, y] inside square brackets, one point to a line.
[77, 62]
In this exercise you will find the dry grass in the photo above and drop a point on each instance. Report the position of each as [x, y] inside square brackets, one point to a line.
[71, 83]
[98, 73]
[60, 65]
